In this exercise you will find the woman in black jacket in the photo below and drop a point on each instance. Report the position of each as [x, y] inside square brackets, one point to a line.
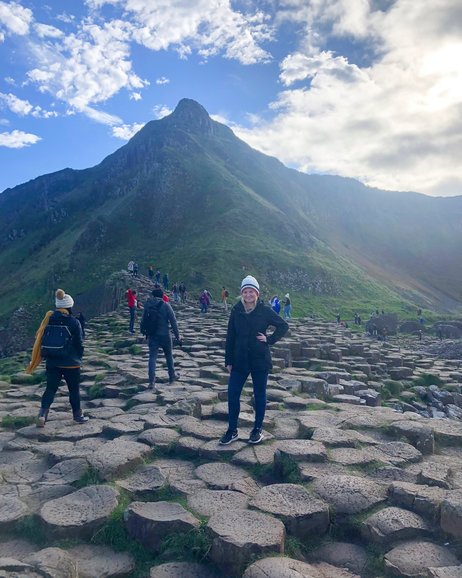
[63, 364]
[247, 352]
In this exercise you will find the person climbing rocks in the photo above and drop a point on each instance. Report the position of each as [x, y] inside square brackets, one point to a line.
[151, 272]
[224, 297]
[204, 301]
[165, 281]
[132, 304]
[275, 304]
[182, 289]
[158, 317]
[59, 339]
[287, 306]
[247, 352]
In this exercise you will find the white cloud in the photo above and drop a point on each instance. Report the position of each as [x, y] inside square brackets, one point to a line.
[87, 67]
[162, 80]
[211, 27]
[17, 139]
[394, 123]
[101, 116]
[126, 131]
[161, 110]
[15, 18]
[24, 107]
[135, 96]
[47, 31]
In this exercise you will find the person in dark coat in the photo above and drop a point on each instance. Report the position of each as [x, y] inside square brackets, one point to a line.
[161, 338]
[247, 352]
[67, 367]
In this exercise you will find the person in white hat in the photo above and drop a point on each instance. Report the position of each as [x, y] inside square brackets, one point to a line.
[287, 306]
[60, 340]
[247, 352]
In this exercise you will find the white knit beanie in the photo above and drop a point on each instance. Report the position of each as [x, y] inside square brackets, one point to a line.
[63, 301]
[250, 282]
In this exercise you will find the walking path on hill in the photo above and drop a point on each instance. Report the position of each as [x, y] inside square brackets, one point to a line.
[342, 485]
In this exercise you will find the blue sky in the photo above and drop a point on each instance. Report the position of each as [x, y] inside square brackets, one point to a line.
[370, 89]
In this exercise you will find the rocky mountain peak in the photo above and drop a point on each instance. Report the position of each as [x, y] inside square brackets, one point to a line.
[192, 117]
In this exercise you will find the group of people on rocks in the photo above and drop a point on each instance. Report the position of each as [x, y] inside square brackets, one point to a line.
[59, 340]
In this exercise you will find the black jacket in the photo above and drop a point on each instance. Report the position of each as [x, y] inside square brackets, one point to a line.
[74, 359]
[166, 317]
[243, 350]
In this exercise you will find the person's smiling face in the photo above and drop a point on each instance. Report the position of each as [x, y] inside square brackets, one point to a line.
[249, 295]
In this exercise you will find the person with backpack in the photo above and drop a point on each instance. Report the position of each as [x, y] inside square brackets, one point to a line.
[59, 341]
[247, 352]
[224, 297]
[158, 317]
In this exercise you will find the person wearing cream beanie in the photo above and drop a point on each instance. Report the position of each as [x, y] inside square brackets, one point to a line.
[64, 364]
[247, 352]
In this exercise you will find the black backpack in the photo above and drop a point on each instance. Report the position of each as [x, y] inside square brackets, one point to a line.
[56, 342]
[150, 320]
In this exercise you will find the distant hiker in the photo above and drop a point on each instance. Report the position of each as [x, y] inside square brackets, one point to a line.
[132, 304]
[224, 297]
[81, 319]
[157, 317]
[59, 340]
[176, 293]
[158, 277]
[337, 318]
[130, 267]
[247, 352]
[287, 306]
[182, 289]
[275, 304]
[151, 272]
[359, 319]
[135, 269]
[356, 319]
[204, 300]
[165, 281]
[419, 333]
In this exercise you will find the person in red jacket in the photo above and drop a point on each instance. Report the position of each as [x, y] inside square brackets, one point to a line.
[131, 302]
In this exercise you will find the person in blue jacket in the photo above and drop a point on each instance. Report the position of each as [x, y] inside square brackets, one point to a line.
[247, 352]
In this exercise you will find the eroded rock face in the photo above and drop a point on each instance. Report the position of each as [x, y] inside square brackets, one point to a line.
[101, 561]
[394, 524]
[413, 559]
[79, 513]
[289, 568]
[182, 570]
[349, 494]
[237, 536]
[151, 522]
[451, 514]
[302, 514]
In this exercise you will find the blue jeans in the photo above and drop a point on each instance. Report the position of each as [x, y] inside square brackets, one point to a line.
[72, 377]
[235, 384]
[287, 310]
[131, 327]
[156, 342]
[204, 307]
